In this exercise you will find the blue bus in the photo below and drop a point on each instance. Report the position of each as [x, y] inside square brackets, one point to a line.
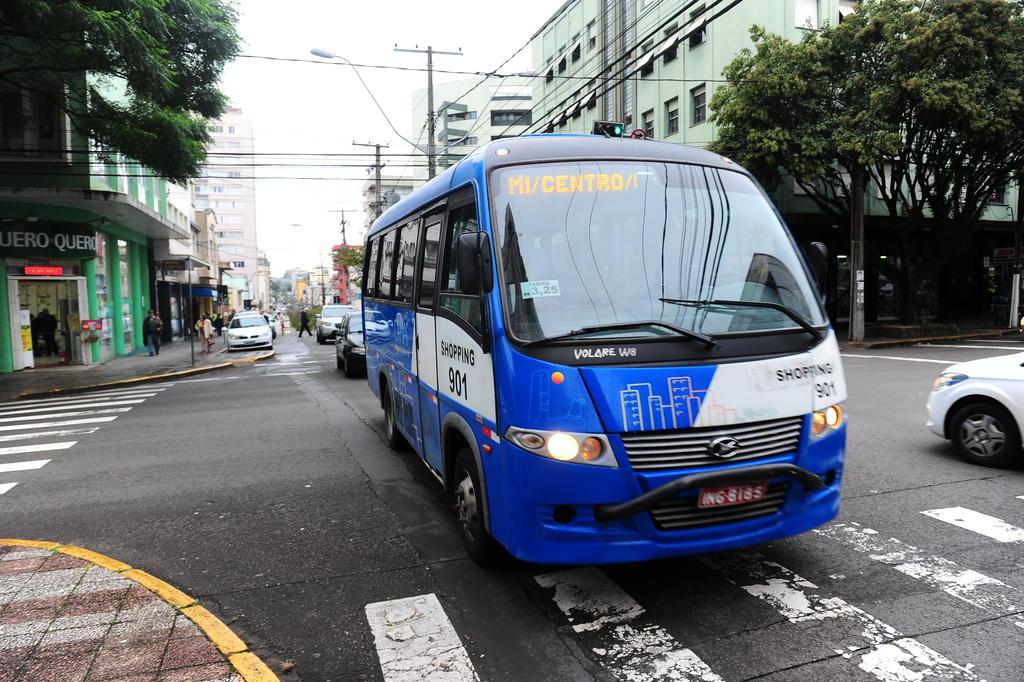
[606, 350]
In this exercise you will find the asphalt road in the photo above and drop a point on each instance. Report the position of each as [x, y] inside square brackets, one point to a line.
[268, 493]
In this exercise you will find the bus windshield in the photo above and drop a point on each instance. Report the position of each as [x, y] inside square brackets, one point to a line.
[602, 243]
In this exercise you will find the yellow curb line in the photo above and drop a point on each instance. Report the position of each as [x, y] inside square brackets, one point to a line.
[245, 663]
[191, 371]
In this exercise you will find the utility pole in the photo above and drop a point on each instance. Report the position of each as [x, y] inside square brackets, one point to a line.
[378, 206]
[1015, 290]
[431, 114]
[857, 254]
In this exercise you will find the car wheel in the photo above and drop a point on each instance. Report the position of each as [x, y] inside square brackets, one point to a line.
[319, 339]
[482, 548]
[985, 433]
[351, 371]
[392, 436]
[341, 365]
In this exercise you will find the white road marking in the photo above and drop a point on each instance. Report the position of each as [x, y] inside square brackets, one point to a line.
[983, 524]
[593, 603]
[886, 653]
[415, 640]
[81, 413]
[290, 374]
[76, 406]
[6, 487]
[897, 357]
[69, 422]
[951, 345]
[50, 434]
[24, 466]
[127, 392]
[37, 447]
[977, 589]
[1020, 497]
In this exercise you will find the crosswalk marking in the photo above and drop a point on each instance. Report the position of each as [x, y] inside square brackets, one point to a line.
[291, 374]
[49, 425]
[49, 434]
[885, 653]
[974, 588]
[415, 640]
[36, 447]
[5, 487]
[83, 396]
[77, 402]
[61, 415]
[76, 406]
[983, 524]
[594, 603]
[24, 466]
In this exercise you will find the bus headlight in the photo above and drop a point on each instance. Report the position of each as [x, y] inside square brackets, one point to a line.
[581, 448]
[827, 420]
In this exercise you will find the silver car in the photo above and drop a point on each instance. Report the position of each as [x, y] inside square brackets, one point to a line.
[249, 331]
[329, 318]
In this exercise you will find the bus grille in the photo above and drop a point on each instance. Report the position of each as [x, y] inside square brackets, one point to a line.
[688, 448]
[683, 512]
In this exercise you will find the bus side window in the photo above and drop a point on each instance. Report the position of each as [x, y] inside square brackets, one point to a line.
[387, 265]
[405, 270]
[371, 269]
[466, 306]
[428, 273]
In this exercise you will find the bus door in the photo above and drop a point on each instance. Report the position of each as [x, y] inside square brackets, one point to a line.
[403, 332]
[465, 374]
[426, 360]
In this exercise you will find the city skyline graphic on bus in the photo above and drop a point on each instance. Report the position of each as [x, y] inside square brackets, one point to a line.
[645, 410]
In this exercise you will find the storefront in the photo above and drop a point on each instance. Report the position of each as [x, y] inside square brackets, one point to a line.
[70, 293]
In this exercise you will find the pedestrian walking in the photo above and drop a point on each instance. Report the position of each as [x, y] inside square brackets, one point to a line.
[151, 328]
[304, 323]
[48, 330]
[205, 330]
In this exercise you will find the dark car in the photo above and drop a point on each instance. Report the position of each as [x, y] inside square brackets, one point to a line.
[349, 346]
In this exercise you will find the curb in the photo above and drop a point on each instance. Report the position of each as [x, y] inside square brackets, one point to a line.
[891, 343]
[245, 663]
[149, 378]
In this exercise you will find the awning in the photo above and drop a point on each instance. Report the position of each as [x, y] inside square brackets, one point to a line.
[203, 292]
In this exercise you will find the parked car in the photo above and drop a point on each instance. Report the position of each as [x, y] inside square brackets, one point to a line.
[350, 347]
[979, 406]
[327, 321]
[249, 331]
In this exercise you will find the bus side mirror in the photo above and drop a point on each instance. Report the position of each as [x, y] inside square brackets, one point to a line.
[817, 258]
[473, 262]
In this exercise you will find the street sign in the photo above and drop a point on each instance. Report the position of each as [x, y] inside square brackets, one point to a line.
[44, 270]
[638, 134]
[1005, 254]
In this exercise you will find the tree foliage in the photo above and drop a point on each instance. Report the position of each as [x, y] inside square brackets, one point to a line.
[349, 257]
[140, 76]
[924, 95]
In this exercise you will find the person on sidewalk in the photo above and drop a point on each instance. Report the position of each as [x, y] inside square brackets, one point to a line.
[304, 323]
[205, 330]
[218, 324]
[151, 329]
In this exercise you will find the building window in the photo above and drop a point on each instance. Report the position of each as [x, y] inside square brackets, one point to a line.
[550, 76]
[998, 196]
[698, 36]
[231, 130]
[230, 234]
[562, 65]
[649, 122]
[698, 102]
[806, 14]
[461, 115]
[671, 54]
[511, 117]
[215, 129]
[647, 69]
[31, 123]
[591, 36]
[576, 53]
[672, 116]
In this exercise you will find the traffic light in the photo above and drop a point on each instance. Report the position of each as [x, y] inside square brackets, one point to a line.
[608, 128]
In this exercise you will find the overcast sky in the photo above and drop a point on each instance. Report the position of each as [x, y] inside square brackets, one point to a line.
[302, 108]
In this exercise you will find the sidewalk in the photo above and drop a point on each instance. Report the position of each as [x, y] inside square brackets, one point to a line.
[70, 615]
[174, 357]
[966, 329]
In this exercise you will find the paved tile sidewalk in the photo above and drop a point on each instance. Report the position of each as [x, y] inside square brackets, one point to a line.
[63, 619]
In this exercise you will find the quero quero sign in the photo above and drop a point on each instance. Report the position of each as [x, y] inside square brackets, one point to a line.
[61, 240]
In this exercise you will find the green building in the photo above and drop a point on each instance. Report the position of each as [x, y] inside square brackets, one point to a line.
[76, 229]
[655, 64]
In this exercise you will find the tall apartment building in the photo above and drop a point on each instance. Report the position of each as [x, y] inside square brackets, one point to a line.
[496, 109]
[656, 64]
[226, 186]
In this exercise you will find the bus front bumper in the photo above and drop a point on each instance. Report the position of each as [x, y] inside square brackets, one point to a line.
[581, 514]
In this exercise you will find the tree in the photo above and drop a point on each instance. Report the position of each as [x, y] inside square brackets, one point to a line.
[138, 76]
[349, 257]
[925, 95]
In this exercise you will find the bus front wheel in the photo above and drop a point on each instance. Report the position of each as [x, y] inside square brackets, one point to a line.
[481, 547]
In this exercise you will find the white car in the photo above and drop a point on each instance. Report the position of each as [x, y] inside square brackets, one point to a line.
[249, 331]
[329, 318]
[979, 406]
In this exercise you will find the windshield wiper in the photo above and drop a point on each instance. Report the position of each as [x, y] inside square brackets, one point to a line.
[788, 312]
[682, 331]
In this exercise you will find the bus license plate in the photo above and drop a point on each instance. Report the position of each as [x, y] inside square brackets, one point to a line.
[726, 495]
